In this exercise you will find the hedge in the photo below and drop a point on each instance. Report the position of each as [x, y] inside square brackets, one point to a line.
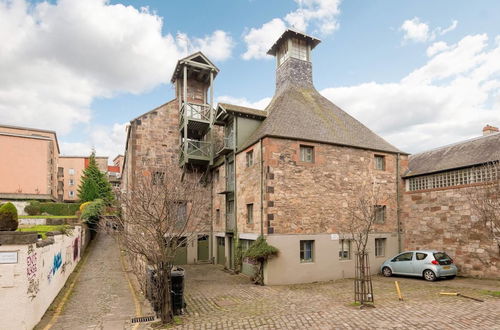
[59, 208]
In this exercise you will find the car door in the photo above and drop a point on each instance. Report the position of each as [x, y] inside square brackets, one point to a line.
[420, 263]
[403, 264]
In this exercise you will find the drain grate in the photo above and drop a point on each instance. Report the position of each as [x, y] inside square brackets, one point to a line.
[141, 319]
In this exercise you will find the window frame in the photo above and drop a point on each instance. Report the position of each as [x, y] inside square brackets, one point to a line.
[71, 193]
[378, 247]
[377, 163]
[249, 213]
[302, 150]
[249, 158]
[380, 211]
[341, 249]
[303, 251]
[71, 171]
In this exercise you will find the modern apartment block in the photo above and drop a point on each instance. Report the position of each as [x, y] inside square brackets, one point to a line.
[28, 164]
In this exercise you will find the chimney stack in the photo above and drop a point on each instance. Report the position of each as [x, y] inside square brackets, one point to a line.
[487, 130]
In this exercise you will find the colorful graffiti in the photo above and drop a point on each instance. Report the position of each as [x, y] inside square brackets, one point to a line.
[31, 271]
[56, 264]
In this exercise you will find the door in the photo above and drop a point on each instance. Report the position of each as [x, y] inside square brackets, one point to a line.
[181, 253]
[231, 252]
[403, 264]
[221, 253]
[203, 248]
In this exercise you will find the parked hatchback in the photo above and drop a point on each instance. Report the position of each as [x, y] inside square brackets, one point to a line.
[428, 264]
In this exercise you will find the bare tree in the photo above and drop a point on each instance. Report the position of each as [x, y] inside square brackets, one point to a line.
[485, 204]
[163, 212]
[363, 211]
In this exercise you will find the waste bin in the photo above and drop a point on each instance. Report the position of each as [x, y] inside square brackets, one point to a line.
[177, 293]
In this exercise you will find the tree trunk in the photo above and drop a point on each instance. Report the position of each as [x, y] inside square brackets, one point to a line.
[166, 313]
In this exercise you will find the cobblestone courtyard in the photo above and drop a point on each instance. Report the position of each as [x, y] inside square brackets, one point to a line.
[218, 300]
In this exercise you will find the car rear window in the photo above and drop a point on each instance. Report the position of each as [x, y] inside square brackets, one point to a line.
[421, 256]
[442, 258]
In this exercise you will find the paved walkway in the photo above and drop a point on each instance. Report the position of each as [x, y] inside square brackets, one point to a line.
[101, 298]
[218, 300]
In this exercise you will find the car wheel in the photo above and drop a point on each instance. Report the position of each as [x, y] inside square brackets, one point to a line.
[429, 275]
[387, 272]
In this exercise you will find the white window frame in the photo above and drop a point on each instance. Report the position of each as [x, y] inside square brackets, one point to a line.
[345, 243]
[307, 154]
[306, 247]
[380, 249]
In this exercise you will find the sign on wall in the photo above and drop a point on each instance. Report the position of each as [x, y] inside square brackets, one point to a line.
[8, 257]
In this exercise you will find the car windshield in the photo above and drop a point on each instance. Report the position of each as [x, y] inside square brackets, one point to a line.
[442, 258]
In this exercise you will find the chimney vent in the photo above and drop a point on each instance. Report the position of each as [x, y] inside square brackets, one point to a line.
[489, 130]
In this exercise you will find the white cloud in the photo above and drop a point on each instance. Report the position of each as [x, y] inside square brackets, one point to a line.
[260, 104]
[417, 31]
[321, 14]
[56, 59]
[436, 47]
[448, 99]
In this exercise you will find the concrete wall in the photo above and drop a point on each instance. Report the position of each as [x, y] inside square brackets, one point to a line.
[288, 269]
[29, 286]
[442, 219]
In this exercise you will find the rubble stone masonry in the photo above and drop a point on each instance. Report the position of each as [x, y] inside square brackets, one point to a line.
[443, 220]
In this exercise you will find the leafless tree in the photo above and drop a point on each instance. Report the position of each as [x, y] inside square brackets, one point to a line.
[363, 211]
[163, 212]
[485, 205]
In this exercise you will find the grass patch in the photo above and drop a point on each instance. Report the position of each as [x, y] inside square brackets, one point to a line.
[491, 293]
[47, 217]
[43, 229]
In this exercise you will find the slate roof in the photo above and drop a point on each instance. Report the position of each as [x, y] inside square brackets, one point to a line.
[304, 114]
[243, 110]
[480, 150]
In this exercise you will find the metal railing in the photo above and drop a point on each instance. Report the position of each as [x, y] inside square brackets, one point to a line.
[196, 111]
[229, 142]
[195, 148]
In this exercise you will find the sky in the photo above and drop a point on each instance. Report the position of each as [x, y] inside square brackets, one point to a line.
[420, 73]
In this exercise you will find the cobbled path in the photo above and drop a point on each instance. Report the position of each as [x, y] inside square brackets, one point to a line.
[218, 300]
[101, 298]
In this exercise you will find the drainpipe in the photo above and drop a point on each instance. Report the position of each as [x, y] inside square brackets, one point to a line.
[211, 240]
[261, 189]
[398, 216]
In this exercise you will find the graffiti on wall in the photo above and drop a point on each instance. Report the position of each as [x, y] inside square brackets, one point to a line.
[56, 264]
[31, 271]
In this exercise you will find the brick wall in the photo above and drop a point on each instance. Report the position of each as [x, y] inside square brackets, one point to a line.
[443, 220]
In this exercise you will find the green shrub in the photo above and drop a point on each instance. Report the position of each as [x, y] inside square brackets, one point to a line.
[260, 252]
[33, 208]
[59, 208]
[92, 212]
[8, 217]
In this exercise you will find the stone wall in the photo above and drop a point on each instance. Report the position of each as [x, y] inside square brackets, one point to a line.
[29, 285]
[219, 200]
[443, 220]
[313, 198]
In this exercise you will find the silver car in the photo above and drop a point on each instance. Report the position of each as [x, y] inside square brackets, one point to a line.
[429, 264]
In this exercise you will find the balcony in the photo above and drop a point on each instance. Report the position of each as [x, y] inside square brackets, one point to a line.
[197, 152]
[228, 145]
[228, 188]
[230, 223]
[198, 119]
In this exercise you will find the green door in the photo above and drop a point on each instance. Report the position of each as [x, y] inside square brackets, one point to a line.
[203, 248]
[221, 250]
[181, 254]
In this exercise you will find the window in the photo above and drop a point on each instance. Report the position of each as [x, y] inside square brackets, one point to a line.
[380, 213]
[380, 162]
[299, 49]
[380, 247]
[71, 193]
[421, 256]
[404, 257]
[307, 154]
[71, 182]
[217, 216]
[345, 249]
[71, 171]
[249, 213]
[158, 177]
[250, 158]
[245, 244]
[306, 251]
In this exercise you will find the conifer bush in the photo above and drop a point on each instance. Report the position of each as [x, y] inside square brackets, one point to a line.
[94, 184]
[8, 217]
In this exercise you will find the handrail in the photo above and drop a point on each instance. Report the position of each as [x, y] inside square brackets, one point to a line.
[196, 111]
[197, 148]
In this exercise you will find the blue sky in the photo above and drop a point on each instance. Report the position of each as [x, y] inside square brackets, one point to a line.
[419, 73]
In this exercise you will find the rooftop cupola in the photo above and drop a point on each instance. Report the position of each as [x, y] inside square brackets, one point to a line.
[293, 59]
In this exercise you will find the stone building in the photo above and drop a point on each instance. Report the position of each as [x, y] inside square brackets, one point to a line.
[287, 173]
[436, 205]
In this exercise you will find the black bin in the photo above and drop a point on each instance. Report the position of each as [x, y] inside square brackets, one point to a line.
[177, 293]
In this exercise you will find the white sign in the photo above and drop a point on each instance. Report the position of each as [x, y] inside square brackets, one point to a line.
[8, 257]
[335, 237]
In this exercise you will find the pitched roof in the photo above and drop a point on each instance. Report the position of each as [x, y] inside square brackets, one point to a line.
[243, 110]
[293, 33]
[480, 150]
[197, 59]
[304, 114]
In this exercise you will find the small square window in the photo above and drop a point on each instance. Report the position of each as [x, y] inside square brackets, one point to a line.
[249, 213]
[158, 177]
[380, 162]
[249, 158]
[379, 213]
[307, 154]
[380, 247]
[71, 193]
[306, 251]
[345, 249]
[71, 182]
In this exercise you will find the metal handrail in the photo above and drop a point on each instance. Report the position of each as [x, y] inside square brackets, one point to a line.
[197, 148]
[196, 111]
